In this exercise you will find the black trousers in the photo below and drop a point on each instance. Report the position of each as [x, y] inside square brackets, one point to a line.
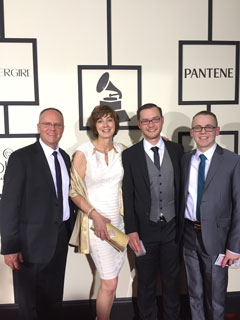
[163, 256]
[39, 286]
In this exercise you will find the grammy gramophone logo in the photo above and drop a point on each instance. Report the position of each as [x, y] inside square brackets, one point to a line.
[112, 96]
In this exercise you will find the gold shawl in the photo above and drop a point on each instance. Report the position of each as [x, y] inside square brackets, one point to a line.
[80, 234]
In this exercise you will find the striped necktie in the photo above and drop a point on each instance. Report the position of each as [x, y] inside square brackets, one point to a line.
[201, 180]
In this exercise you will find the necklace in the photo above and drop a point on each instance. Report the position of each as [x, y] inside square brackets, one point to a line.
[105, 152]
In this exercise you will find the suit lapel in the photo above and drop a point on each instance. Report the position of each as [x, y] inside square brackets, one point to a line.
[215, 166]
[43, 166]
[141, 162]
[173, 158]
[186, 171]
[66, 160]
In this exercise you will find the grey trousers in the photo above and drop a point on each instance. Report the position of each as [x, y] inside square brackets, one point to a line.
[207, 283]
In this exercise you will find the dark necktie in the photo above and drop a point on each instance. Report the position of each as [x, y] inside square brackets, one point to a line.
[156, 157]
[59, 182]
[201, 180]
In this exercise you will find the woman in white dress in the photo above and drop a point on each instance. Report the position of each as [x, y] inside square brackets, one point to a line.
[98, 163]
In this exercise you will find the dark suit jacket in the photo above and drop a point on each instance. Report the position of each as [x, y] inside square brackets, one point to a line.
[220, 205]
[136, 187]
[29, 215]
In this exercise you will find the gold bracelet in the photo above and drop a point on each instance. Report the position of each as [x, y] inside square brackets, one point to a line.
[90, 211]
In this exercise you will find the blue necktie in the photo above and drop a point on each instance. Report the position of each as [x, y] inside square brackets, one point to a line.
[156, 157]
[201, 180]
[59, 183]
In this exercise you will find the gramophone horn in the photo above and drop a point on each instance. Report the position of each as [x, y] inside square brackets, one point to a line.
[102, 82]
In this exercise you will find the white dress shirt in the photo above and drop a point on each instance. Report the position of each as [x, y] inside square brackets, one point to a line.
[191, 206]
[65, 177]
[147, 147]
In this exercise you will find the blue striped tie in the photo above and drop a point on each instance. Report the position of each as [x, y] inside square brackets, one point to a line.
[201, 180]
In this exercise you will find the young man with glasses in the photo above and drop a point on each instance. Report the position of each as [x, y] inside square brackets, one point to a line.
[151, 187]
[211, 207]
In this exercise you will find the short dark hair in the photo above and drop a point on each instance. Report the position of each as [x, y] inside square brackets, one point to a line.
[206, 113]
[99, 112]
[148, 106]
[48, 109]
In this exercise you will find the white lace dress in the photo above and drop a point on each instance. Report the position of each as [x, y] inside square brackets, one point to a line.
[103, 183]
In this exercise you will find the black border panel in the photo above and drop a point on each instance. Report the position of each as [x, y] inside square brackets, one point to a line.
[180, 72]
[35, 70]
[96, 67]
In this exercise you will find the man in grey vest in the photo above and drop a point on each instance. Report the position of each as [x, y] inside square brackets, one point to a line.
[151, 187]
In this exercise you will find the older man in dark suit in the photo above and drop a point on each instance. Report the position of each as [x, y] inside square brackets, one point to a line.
[151, 187]
[34, 220]
[211, 184]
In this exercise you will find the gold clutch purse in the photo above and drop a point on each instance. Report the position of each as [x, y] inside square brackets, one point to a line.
[119, 239]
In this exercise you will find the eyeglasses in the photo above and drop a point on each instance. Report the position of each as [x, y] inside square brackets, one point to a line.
[48, 125]
[146, 121]
[200, 128]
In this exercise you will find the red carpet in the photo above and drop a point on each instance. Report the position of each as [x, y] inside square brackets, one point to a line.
[227, 317]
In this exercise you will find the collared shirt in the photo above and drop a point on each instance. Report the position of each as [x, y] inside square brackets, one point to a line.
[147, 147]
[65, 177]
[191, 206]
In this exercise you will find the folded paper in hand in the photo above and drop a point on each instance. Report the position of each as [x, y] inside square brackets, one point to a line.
[220, 259]
[119, 239]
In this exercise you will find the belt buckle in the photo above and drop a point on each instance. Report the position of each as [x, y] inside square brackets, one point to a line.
[161, 218]
[197, 226]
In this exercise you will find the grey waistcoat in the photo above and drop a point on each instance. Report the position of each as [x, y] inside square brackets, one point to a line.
[161, 188]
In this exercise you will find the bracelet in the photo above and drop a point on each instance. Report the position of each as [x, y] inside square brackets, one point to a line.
[90, 211]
